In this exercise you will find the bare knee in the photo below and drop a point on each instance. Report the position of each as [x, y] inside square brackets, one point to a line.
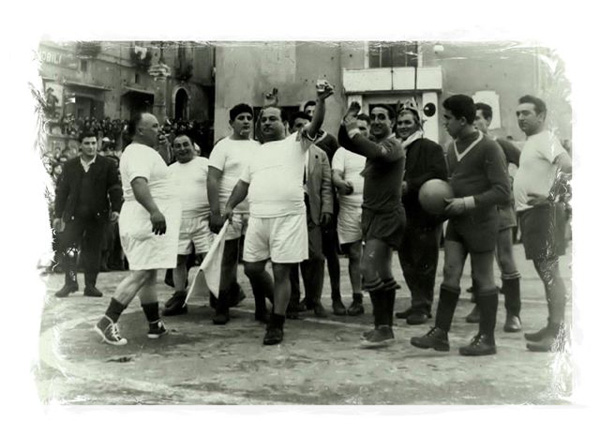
[253, 269]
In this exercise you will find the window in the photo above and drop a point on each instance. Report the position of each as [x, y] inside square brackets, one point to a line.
[136, 78]
[386, 54]
[84, 65]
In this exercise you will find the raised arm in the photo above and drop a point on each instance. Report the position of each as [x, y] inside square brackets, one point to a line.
[312, 129]
[388, 150]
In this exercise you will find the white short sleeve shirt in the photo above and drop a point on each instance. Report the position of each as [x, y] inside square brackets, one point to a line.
[139, 160]
[190, 182]
[537, 168]
[231, 157]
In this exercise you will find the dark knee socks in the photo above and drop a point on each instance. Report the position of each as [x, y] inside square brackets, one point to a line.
[511, 289]
[446, 307]
[488, 308]
[151, 312]
[114, 310]
[383, 296]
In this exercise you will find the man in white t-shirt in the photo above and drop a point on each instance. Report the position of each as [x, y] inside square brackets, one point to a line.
[189, 175]
[347, 177]
[273, 183]
[148, 227]
[543, 173]
[227, 161]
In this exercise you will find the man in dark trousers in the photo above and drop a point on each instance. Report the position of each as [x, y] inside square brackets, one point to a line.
[83, 211]
[421, 242]
[331, 244]
[318, 197]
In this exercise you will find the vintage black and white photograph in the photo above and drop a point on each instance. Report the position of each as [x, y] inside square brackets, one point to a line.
[369, 222]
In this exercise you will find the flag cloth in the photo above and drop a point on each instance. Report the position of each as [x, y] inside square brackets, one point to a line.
[208, 277]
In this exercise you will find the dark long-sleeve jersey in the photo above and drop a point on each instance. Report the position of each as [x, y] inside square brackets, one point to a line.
[481, 173]
[383, 171]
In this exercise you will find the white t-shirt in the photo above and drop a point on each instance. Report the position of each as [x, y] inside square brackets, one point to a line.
[275, 174]
[537, 171]
[139, 160]
[190, 181]
[231, 157]
[350, 165]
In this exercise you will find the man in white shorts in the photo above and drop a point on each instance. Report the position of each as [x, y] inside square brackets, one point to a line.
[189, 175]
[148, 226]
[347, 177]
[227, 161]
[277, 228]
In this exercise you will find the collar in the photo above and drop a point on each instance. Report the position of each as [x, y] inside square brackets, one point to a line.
[469, 148]
[417, 135]
[89, 163]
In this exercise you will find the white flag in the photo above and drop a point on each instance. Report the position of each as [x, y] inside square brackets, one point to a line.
[208, 276]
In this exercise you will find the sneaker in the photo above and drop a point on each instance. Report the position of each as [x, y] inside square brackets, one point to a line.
[157, 329]
[338, 308]
[474, 316]
[382, 336]
[66, 290]
[273, 336]
[109, 331]
[481, 345]
[92, 291]
[356, 309]
[435, 338]
[320, 311]
[512, 324]
[417, 318]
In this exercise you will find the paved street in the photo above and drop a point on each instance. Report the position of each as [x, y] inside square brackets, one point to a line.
[318, 363]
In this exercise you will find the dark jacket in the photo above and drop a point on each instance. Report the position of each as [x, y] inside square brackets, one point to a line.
[425, 160]
[320, 194]
[106, 183]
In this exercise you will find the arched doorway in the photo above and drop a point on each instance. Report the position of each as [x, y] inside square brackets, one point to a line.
[181, 104]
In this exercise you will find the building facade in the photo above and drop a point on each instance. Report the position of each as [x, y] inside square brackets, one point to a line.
[380, 72]
[115, 79]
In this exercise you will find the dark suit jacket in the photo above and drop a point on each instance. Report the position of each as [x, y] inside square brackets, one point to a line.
[106, 183]
[424, 161]
[318, 183]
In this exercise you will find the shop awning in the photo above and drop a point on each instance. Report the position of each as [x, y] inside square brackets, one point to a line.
[88, 86]
[137, 90]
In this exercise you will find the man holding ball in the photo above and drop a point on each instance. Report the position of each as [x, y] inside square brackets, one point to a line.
[480, 182]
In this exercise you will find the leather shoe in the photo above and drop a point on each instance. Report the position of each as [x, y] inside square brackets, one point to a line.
[306, 305]
[91, 291]
[356, 309]
[435, 338]
[66, 290]
[221, 318]
[481, 345]
[273, 336]
[512, 324]
[320, 311]
[338, 308]
[473, 317]
[416, 318]
[405, 313]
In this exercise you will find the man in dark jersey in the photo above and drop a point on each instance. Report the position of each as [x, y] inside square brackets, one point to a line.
[421, 244]
[511, 287]
[479, 179]
[383, 217]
